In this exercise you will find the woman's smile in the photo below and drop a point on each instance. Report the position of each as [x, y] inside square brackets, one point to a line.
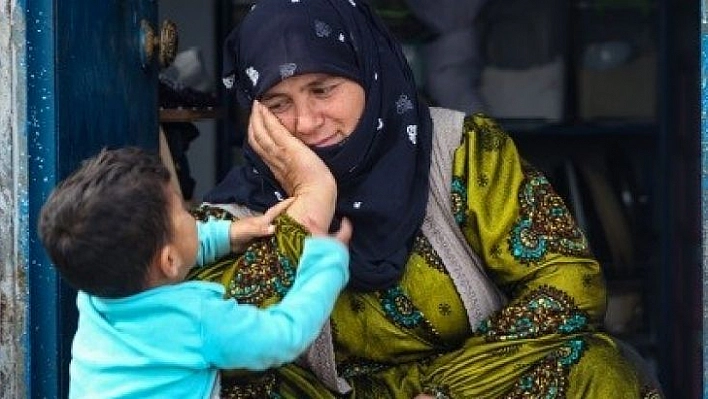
[319, 109]
[329, 140]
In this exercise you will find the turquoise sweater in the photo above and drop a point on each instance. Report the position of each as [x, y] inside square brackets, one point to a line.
[169, 341]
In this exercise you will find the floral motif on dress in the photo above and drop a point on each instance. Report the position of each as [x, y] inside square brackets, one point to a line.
[262, 273]
[545, 224]
[549, 377]
[399, 308]
[459, 200]
[545, 310]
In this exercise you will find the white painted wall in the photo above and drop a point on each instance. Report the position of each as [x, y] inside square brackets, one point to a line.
[13, 194]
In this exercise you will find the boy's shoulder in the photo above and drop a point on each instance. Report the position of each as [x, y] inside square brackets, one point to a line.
[196, 285]
[190, 288]
[182, 290]
[185, 302]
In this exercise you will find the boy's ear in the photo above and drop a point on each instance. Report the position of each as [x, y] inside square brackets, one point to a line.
[168, 261]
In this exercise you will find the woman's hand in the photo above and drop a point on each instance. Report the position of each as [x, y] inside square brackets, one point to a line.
[296, 167]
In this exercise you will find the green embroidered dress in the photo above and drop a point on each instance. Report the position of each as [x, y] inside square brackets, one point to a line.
[545, 342]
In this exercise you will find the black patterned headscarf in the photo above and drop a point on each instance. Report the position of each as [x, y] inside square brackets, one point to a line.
[382, 168]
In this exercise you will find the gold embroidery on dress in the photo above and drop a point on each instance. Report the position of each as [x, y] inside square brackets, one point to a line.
[399, 309]
[545, 310]
[545, 224]
[261, 274]
[422, 247]
[549, 377]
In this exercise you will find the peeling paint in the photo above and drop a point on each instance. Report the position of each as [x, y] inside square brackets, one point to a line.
[704, 182]
[13, 201]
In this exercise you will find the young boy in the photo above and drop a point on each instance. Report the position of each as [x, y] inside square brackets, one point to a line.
[118, 232]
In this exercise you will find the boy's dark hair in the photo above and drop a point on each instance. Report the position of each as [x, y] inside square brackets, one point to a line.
[104, 224]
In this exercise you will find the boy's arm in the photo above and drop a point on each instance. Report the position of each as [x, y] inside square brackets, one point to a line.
[247, 337]
[218, 237]
[214, 240]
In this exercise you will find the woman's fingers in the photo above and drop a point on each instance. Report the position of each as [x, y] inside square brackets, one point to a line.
[300, 172]
[293, 164]
[268, 131]
[277, 133]
[258, 136]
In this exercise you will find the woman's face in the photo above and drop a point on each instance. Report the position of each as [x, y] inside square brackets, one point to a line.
[319, 109]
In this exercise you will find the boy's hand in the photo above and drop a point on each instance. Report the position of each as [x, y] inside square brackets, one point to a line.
[244, 230]
[344, 234]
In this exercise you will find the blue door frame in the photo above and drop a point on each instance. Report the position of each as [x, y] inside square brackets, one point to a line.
[89, 85]
[44, 339]
[704, 182]
[43, 379]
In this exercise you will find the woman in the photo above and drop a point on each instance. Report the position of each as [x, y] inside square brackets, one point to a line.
[469, 278]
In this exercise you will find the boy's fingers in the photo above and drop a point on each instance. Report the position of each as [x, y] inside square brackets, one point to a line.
[344, 234]
[263, 226]
[254, 229]
[278, 208]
